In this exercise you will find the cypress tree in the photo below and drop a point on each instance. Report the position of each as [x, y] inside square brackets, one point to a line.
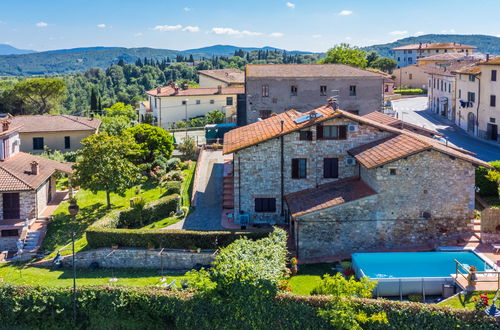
[93, 99]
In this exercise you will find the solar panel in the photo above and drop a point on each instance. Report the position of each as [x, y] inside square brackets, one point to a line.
[307, 117]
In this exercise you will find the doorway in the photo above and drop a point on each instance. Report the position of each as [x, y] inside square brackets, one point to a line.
[11, 206]
[492, 132]
[471, 122]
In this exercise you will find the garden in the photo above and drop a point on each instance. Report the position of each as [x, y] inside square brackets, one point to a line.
[487, 183]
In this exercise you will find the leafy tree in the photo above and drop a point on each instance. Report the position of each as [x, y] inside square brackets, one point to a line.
[151, 140]
[188, 147]
[94, 102]
[40, 95]
[346, 54]
[215, 117]
[385, 64]
[104, 164]
[115, 125]
[121, 109]
[371, 57]
[494, 174]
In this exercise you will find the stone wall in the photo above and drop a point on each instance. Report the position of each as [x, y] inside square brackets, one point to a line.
[138, 258]
[257, 169]
[490, 226]
[425, 182]
[368, 94]
[8, 243]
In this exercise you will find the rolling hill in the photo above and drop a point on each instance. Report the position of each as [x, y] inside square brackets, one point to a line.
[9, 50]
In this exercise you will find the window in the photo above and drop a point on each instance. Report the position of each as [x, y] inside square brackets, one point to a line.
[472, 78]
[263, 114]
[442, 85]
[10, 233]
[229, 100]
[265, 90]
[299, 168]
[493, 101]
[352, 90]
[322, 90]
[184, 102]
[212, 101]
[305, 135]
[449, 88]
[38, 143]
[492, 120]
[330, 168]
[67, 142]
[410, 76]
[471, 97]
[198, 101]
[293, 90]
[410, 60]
[493, 75]
[332, 132]
[393, 171]
[265, 205]
[459, 93]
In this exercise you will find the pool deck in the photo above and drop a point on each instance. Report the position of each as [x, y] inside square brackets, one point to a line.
[484, 283]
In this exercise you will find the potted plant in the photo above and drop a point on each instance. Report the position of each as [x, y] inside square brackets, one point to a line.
[472, 277]
[73, 207]
[215, 146]
[294, 262]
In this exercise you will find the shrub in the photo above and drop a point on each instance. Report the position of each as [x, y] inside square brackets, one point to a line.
[486, 186]
[151, 212]
[188, 148]
[414, 91]
[415, 297]
[174, 176]
[98, 237]
[172, 164]
[172, 187]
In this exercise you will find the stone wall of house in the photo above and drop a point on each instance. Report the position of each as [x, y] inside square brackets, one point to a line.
[138, 258]
[8, 244]
[490, 225]
[27, 200]
[426, 182]
[257, 169]
[368, 94]
[43, 193]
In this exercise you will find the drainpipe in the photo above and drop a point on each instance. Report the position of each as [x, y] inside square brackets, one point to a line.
[478, 103]
[239, 184]
[282, 170]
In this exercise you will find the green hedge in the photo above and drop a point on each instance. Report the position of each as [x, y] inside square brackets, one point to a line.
[162, 238]
[486, 187]
[152, 212]
[173, 188]
[414, 91]
[122, 308]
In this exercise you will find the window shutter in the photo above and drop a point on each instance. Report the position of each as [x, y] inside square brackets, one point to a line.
[295, 168]
[327, 167]
[335, 167]
[258, 204]
[342, 132]
[319, 131]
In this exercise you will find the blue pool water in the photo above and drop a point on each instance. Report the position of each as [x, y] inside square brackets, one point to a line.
[414, 264]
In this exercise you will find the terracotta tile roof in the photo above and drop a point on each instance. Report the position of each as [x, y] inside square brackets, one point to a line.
[306, 71]
[15, 172]
[491, 61]
[469, 70]
[444, 57]
[327, 195]
[394, 122]
[449, 70]
[230, 76]
[382, 118]
[55, 123]
[443, 45]
[167, 91]
[267, 129]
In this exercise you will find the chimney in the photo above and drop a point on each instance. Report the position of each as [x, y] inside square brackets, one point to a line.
[219, 89]
[35, 167]
[185, 86]
[176, 90]
[158, 90]
[332, 103]
[282, 125]
[487, 57]
[5, 126]
[171, 83]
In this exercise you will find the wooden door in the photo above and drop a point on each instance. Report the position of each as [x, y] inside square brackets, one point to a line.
[11, 206]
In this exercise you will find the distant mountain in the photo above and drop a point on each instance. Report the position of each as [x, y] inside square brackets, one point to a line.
[484, 43]
[228, 50]
[9, 50]
[79, 50]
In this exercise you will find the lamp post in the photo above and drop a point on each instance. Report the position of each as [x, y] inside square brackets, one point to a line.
[186, 114]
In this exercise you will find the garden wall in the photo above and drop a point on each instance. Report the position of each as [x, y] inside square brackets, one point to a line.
[137, 258]
[490, 220]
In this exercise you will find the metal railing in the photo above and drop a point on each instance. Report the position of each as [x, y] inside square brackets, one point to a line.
[481, 276]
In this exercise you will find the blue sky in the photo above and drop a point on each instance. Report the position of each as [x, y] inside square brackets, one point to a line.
[313, 25]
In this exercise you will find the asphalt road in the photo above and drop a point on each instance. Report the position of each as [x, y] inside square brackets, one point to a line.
[415, 111]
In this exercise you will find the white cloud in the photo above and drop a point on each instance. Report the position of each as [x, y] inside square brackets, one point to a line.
[276, 34]
[419, 33]
[345, 12]
[316, 36]
[101, 26]
[166, 28]
[233, 32]
[398, 33]
[448, 31]
[41, 24]
[191, 29]
[138, 34]
[187, 9]
[290, 5]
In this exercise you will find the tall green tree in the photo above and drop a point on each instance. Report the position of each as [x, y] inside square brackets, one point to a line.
[121, 109]
[151, 140]
[371, 57]
[104, 164]
[40, 95]
[94, 100]
[385, 64]
[345, 54]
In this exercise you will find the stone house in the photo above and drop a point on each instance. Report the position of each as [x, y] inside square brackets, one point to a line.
[346, 183]
[275, 88]
[57, 132]
[221, 77]
[27, 186]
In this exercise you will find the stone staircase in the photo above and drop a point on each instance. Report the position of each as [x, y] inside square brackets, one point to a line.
[476, 224]
[33, 237]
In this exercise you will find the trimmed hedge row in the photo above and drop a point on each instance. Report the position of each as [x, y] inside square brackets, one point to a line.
[127, 308]
[162, 238]
[173, 188]
[414, 91]
[152, 212]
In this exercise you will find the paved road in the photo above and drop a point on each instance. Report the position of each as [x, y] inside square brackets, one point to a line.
[415, 111]
[208, 211]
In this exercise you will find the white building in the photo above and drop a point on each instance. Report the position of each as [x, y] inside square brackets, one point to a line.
[409, 54]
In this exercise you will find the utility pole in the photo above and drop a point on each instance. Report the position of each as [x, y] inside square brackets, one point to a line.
[74, 276]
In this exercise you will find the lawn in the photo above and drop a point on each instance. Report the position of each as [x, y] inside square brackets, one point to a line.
[64, 278]
[309, 277]
[465, 300]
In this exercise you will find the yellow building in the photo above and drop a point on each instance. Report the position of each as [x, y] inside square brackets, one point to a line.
[478, 88]
[57, 132]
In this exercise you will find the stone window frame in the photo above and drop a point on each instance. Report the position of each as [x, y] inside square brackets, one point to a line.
[393, 171]
[339, 161]
[299, 168]
[322, 90]
[305, 135]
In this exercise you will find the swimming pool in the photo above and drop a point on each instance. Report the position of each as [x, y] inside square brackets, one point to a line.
[402, 273]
